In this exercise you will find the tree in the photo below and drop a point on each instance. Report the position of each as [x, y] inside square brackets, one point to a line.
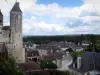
[75, 54]
[48, 64]
[9, 67]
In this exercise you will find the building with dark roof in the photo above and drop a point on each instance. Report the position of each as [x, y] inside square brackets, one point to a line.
[88, 62]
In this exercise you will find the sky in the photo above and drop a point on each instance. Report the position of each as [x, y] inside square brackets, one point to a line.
[56, 17]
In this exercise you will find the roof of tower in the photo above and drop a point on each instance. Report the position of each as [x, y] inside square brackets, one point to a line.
[16, 8]
[0, 12]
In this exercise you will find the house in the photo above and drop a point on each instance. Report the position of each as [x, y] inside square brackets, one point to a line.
[58, 56]
[89, 62]
[33, 55]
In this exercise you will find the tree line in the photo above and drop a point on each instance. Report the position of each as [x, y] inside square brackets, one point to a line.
[72, 38]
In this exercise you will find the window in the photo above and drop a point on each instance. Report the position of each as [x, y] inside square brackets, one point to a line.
[9, 35]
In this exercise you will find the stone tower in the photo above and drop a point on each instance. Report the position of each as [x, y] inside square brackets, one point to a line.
[1, 18]
[16, 32]
[1, 25]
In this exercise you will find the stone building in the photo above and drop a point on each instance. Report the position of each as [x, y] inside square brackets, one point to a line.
[12, 35]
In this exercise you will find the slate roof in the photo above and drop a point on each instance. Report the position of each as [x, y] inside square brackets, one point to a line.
[48, 47]
[58, 55]
[48, 57]
[16, 8]
[6, 28]
[32, 53]
[89, 60]
[29, 66]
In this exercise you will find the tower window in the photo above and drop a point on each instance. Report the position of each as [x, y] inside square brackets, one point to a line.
[9, 35]
[0, 21]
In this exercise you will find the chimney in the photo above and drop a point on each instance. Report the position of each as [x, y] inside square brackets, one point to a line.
[78, 62]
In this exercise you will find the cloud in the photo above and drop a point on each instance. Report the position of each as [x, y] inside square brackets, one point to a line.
[53, 19]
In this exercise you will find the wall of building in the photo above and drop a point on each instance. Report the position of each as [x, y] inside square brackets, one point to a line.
[42, 52]
[19, 55]
[0, 33]
[5, 36]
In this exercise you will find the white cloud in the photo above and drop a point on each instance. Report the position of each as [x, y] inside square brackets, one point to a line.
[74, 20]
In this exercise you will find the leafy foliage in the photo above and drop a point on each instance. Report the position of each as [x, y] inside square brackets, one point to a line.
[9, 67]
[48, 65]
[75, 54]
[73, 38]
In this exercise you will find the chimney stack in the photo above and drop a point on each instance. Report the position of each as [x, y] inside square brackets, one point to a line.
[78, 62]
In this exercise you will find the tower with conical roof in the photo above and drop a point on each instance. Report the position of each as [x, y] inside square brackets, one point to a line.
[1, 18]
[16, 32]
[1, 25]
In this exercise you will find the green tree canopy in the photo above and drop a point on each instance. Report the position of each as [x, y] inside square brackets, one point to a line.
[48, 64]
[75, 54]
[9, 67]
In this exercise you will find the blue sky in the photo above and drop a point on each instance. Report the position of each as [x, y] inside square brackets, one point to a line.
[56, 17]
[63, 3]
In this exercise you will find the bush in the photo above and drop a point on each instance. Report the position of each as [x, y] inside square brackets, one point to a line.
[9, 67]
[75, 54]
[48, 65]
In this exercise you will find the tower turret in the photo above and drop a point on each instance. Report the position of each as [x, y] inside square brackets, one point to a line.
[1, 18]
[1, 25]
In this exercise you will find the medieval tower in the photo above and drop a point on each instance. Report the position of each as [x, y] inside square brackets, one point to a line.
[16, 32]
[12, 35]
[1, 25]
